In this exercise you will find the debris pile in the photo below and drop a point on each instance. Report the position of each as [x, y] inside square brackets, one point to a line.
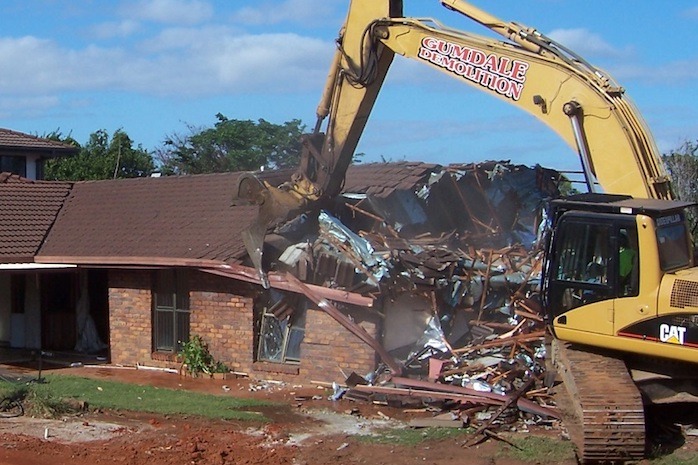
[453, 267]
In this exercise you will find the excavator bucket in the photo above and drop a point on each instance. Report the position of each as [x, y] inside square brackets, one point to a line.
[275, 205]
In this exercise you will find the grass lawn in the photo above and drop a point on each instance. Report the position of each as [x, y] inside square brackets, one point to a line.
[113, 395]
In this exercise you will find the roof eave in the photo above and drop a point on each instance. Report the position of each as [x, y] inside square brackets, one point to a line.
[129, 261]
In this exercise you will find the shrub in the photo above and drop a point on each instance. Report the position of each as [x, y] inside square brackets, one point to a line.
[198, 359]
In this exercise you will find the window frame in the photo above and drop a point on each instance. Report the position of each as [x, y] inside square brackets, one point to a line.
[10, 163]
[673, 242]
[290, 319]
[170, 298]
[568, 291]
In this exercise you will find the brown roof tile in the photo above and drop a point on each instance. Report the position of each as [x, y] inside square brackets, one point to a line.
[17, 140]
[11, 177]
[28, 209]
[188, 217]
[380, 179]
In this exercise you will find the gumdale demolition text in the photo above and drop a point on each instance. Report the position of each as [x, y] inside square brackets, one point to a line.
[500, 74]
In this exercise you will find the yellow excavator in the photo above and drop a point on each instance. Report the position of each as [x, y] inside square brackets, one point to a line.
[618, 281]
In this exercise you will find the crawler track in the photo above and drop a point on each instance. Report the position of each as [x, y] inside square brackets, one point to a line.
[605, 402]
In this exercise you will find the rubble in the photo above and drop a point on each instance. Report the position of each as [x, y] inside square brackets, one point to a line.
[453, 269]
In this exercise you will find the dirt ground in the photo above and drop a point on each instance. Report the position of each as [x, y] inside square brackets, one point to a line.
[308, 429]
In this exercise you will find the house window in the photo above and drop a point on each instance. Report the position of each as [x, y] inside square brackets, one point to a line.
[171, 310]
[282, 328]
[13, 164]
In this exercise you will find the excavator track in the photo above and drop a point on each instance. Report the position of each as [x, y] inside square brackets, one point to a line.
[606, 404]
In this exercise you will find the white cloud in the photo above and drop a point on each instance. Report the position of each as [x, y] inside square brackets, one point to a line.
[41, 66]
[169, 11]
[275, 12]
[113, 29]
[671, 73]
[692, 13]
[182, 38]
[27, 107]
[194, 63]
[249, 63]
[585, 43]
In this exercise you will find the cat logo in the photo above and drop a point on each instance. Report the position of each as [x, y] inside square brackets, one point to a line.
[672, 334]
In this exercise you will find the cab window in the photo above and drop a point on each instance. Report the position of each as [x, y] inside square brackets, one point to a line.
[581, 267]
[628, 262]
[673, 242]
[583, 253]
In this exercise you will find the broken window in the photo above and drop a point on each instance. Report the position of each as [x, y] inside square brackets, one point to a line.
[171, 310]
[281, 331]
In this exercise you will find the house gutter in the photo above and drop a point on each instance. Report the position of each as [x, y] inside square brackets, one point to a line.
[35, 266]
[129, 261]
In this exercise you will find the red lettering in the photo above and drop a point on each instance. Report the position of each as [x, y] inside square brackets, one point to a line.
[518, 70]
[425, 54]
[503, 65]
[429, 42]
[491, 62]
[477, 58]
[500, 74]
[460, 52]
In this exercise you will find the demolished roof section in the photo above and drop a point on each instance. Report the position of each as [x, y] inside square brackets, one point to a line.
[489, 204]
[433, 227]
[449, 256]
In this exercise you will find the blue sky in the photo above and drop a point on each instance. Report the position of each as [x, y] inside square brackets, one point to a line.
[158, 67]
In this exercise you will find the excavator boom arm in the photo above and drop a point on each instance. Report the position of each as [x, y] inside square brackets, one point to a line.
[530, 71]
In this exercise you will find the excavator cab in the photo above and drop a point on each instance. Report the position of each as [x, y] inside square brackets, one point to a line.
[587, 268]
[610, 262]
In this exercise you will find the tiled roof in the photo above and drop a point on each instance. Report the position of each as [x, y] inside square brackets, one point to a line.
[181, 217]
[11, 177]
[28, 209]
[380, 179]
[16, 140]
[184, 217]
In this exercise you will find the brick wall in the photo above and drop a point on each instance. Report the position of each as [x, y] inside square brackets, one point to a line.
[328, 349]
[222, 313]
[130, 316]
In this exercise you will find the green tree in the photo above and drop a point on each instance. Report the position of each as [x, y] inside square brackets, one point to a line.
[682, 165]
[232, 145]
[58, 136]
[102, 157]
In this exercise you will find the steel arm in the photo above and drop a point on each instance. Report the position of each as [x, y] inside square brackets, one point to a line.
[356, 76]
[577, 101]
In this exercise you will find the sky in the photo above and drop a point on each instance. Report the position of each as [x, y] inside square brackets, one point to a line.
[155, 68]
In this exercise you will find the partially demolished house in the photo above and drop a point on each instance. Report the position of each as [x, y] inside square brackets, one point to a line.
[411, 269]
